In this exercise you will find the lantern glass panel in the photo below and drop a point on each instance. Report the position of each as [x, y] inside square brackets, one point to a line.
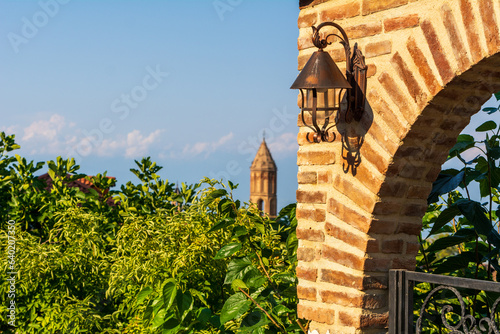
[327, 101]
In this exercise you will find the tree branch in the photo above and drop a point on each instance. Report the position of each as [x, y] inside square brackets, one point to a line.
[260, 307]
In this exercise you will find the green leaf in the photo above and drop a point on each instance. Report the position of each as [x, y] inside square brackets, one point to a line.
[171, 325]
[494, 152]
[490, 110]
[157, 306]
[464, 142]
[497, 95]
[463, 235]
[254, 279]
[444, 184]
[159, 318]
[494, 238]
[80, 194]
[484, 187]
[288, 278]
[227, 250]
[222, 224]
[290, 292]
[489, 297]
[215, 321]
[143, 294]
[237, 284]
[239, 231]
[476, 215]
[218, 193]
[280, 310]
[473, 175]
[204, 315]
[465, 138]
[486, 126]
[288, 210]
[444, 218]
[253, 321]
[226, 206]
[148, 312]
[260, 227]
[234, 307]
[481, 164]
[455, 263]
[184, 304]
[199, 295]
[291, 245]
[237, 268]
[214, 195]
[169, 292]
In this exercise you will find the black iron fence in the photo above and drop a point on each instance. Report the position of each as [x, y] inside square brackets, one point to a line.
[445, 304]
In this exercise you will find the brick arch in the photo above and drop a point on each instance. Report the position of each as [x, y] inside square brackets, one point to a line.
[432, 64]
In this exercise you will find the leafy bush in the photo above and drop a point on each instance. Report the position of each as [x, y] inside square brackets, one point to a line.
[462, 228]
[158, 260]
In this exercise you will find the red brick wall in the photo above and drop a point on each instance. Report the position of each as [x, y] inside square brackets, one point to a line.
[432, 64]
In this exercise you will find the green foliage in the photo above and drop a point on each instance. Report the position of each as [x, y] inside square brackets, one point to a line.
[148, 258]
[258, 292]
[261, 274]
[463, 237]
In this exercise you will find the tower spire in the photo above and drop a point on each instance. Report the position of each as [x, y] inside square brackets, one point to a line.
[263, 180]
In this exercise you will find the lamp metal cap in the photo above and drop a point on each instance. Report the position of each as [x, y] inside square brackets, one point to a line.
[320, 72]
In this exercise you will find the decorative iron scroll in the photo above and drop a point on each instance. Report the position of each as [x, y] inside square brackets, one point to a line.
[358, 82]
[467, 323]
[356, 69]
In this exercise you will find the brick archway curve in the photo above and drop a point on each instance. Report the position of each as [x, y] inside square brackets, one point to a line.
[432, 64]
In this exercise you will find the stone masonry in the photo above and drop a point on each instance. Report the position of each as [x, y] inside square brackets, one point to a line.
[431, 65]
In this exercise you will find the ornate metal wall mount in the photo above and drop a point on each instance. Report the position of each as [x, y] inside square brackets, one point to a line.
[325, 92]
[355, 69]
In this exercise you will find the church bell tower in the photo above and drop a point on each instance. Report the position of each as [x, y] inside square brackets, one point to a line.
[263, 181]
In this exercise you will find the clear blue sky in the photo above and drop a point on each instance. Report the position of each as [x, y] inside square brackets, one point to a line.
[193, 84]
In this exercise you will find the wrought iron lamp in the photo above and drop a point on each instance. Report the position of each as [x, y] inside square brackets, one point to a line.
[323, 87]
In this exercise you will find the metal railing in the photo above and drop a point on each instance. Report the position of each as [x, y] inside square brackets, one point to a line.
[454, 317]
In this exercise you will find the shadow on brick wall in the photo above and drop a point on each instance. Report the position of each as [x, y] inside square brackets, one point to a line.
[352, 135]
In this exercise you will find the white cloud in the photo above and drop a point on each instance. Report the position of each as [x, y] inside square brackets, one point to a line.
[195, 149]
[132, 145]
[224, 140]
[109, 147]
[60, 137]
[43, 129]
[138, 145]
[285, 143]
[191, 150]
[46, 136]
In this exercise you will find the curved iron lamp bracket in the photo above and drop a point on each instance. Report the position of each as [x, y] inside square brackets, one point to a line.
[355, 69]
